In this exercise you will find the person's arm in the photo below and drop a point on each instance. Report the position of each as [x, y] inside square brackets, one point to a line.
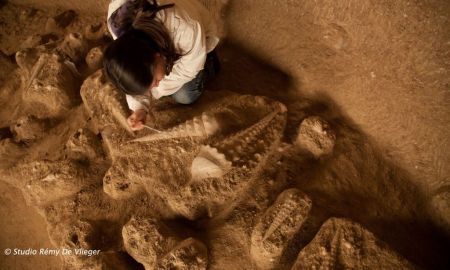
[190, 39]
[140, 105]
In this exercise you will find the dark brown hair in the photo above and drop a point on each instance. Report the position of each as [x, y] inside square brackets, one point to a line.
[128, 61]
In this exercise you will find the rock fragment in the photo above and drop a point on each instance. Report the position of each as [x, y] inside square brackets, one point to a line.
[84, 145]
[315, 136]
[343, 244]
[95, 32]
[151, 243]
[60, 22]
[146, 239]
[94, 59]
[29, 128]
[118, 186]
[74, 46]
[76, 236]
[43, 182]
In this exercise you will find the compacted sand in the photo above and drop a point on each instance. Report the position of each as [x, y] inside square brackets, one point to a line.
[322, 144]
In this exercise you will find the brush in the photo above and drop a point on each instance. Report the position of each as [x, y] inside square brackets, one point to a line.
[159, 131]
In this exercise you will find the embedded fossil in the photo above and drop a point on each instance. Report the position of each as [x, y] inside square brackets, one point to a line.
[247, 147]
[94, 59]
[209, 163]
[172, 167]
[278, 226]
[343, 244]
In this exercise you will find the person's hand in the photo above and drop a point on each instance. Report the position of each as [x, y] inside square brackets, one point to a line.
[137, 119]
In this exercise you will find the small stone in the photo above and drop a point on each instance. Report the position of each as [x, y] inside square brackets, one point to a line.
[315, 136]
[94, 59]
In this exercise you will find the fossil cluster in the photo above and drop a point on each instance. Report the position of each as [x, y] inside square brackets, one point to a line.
[123, 193]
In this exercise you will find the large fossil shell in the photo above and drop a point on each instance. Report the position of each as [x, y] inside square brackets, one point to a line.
[202, 126]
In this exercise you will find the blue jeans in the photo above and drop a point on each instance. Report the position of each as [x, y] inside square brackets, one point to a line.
[192, 90]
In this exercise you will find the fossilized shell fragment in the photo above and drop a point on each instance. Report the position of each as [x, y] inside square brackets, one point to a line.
[209, 163]
[141, 240]
[277, 227]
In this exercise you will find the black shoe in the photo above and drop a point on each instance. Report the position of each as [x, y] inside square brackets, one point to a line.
[212, 65]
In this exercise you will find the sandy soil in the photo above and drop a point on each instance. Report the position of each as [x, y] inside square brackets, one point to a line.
[323, 143]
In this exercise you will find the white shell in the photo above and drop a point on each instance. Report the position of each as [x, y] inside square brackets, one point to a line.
[209, 163]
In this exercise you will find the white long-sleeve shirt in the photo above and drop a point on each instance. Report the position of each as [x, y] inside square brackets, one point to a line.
[193, 32]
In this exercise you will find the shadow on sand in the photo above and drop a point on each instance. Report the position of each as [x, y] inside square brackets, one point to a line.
[357, 182]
